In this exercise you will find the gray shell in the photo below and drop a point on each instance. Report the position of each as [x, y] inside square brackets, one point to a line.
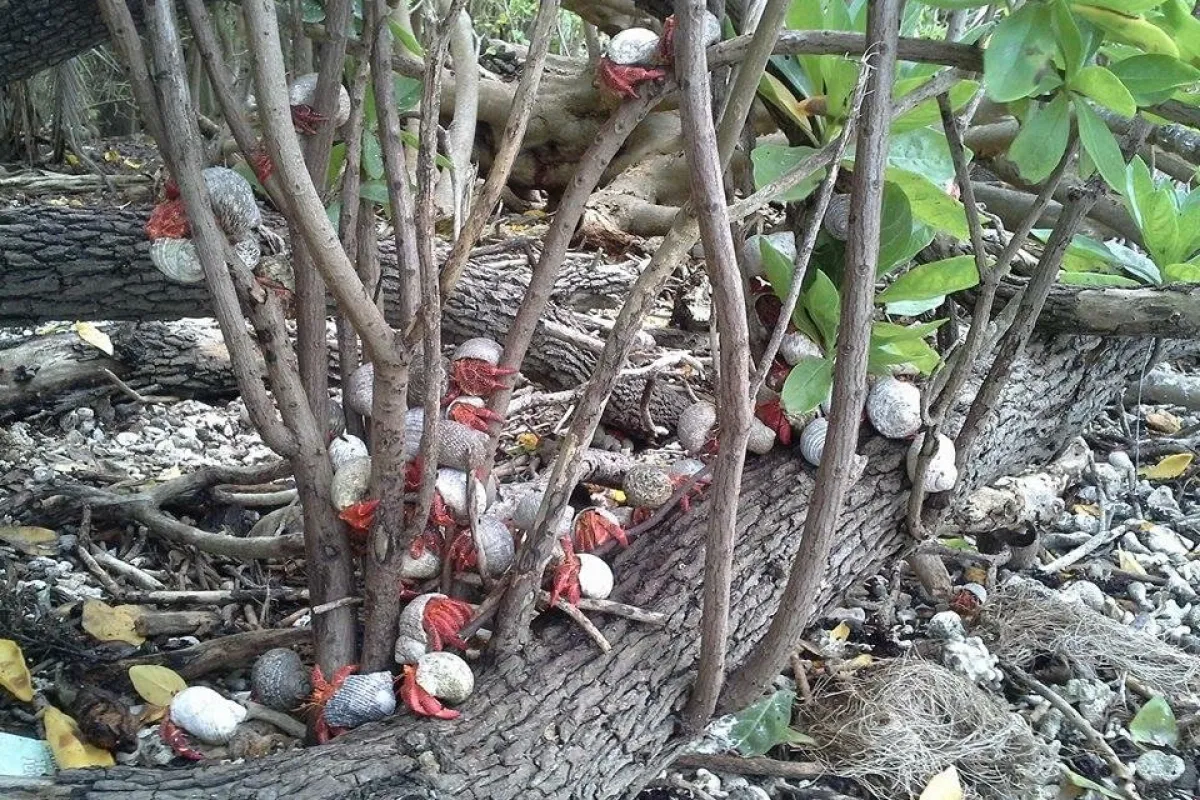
[361, 699]
[480, 348]
[695, 424]
[445, 676]
[451, 484]
[178, 260]
[232, 202]
[796, 346]
[359, 389]
[634, 46]
[279, 680]
[894, 408]
[412, 642]
[526, 514]
[303, 90]
[350, 483]
[837, 217]
[495, 545]
[462, 447]
[783, 241]
[711, 30]
[942, 474]
[761, 439]
[425, 566]
[685, 467]
[346, 448]
[812, 440]
[647, 486]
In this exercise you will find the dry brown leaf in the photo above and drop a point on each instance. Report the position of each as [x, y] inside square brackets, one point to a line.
[30, 539]
[157, 685]
[70, 751]
[1086, 508]
[14, 674]
[1169, 467]
[112, 623]
[151, 714]
[975, 575]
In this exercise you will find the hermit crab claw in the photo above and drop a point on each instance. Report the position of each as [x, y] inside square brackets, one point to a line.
[322, 691]
[566, 576]
[472, 412]
[419, 701]
[444, 618]
[595, 526]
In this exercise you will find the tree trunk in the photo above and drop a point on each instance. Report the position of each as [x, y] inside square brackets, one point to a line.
[41, 33]
[561, 720]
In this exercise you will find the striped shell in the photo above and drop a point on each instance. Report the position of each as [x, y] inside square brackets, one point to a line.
[346, 448]
[359, 389]
[796, 346]
[837, 217]
[412, 641]
[279, 680]
[894, 408]
[451, 484]
[426, 565]
[634, 46]
[336, 422]
[233, 202]
[177, 259]
[647, 486]
[495, 546]
[525, 514]
[462, 447]
[695, 425]
[361, 699]
[206, 715]
[595, 577]
[480, 348]
[782, 241]
[445, 676]
[350, 483]
[941, 474]
[303, 91]
[762, 437]
[812, 440]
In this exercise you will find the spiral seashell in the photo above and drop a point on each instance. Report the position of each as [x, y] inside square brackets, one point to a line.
[480, 348]
[647, 486]
[412, 641]
[177, 259]
[894, 408]
[695, 425]
[336, 423]
[595, 577]
[346, 448]
[360, 388]
[233, 203]
[752, 260]
[426, 565]
[837, 217]
[303, 92]
[634, 46]
[942, 473]
[525, 514]
[350, 483]
[279, 680]
[462, 447]
[812, 440]
[445, 676]
[795, 347]
[762, 437]
[495, 546]
[361, 699]
[451, 484]
[206, 715]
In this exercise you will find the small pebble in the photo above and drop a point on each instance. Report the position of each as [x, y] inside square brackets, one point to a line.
[1158, 768]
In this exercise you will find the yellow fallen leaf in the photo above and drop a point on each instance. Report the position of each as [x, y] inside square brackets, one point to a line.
[975, 575]
[151, 714]
[1169, 467]
[527, 441]
[111, 156]
[1129, 563]
[94, 336]
[71, 159]
[112, 623]
[860, 661]
[944, 786]
[157, 685]
[30, 539]
[70, 751]
[1088, 508]
[841, 633]
[129, 162]
[14, 674]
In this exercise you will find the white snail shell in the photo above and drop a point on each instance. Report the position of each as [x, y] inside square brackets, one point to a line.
[346, 448]
[279, 679]
[941, 474]
[812, 440]
[695, 425]
[206, 715]
[303, 91]
[427, 565]
[480, 348]
[361, 699]
[445, 676]
[350, 483]
[495, 546]
[595, 577]
[894, 408]
[795, 346]
[711, 29]
[647, 486]
[462, 447]
[782, 241]
[412, 641]
[634, 46]
[360, 388]
[177, 259]
[451, 484]
[762, 437]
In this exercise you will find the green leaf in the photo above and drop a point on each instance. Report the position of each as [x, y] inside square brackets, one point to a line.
[1185, 272]
[772, 161]
[930, 205]
[1021, 48]
[927, 113]
[405, 37]
[1105, 88]
[925, 152]
[1095, 279]
[372, 156]
[1134, 263]
[883, 355]
[407, 91]
[1148, 76]
[334, 212]
[807, 386]
[1100, 144]
[932, 279]
[779, 269]
[337, 159]
[1070, 42]
[1127, 7]
[764, 724]
[1042, 140]
[376, 191]
[914, 308]
[887, 331]
[1155, 724]
[896, 231]
[823, 304]
[1076, 779]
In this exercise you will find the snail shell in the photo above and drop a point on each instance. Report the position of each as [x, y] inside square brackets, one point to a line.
[361, 699]
[762, 438]
[634, 46]
[494, 543]
[279, 679]
[445, 676]
[303, 91]
[451, 484]
[462, 447]
[206, 715]
[177, 259]
[812, 440]
[233, 203]
[427, 565]
[480, 348]
[783, 241]
[942, 474]
[525, 514]
[595, 577]
[359, 389]
[412, 641]
[710, 32]
[350, 483]
[894, 408]
[837, 217]
[695, 425]
[794, 347]
[346, 448]
[647, 486]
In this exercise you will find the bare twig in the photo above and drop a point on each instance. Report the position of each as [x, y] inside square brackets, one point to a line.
[580, 619]
[737, 765]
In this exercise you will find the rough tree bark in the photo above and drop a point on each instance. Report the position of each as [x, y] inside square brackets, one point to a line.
[41, 33]
[562, 721]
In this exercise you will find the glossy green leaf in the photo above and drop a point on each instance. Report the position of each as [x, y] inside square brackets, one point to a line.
[405, 37]
[1021, 49]
[1105, 88]
[1127, 7]
[1042, 140]
[930, 205]
[914, 308]
[1148, 76]
[1095, 279]
[925, 152]
[927, 113]
[1101, 145]
[881, 356]
[887, 331]
[824, 307]
[779, 270]
[1185, 272]
[807, 385]
[930, 280]
[896, 230]
[773, 161]
[407, 92]
[1070, 42]
[1155, 724]
[337, 159]
[1078, 780]
[763, 725]
[376, 192]
[372, 156]
[1134, 263]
